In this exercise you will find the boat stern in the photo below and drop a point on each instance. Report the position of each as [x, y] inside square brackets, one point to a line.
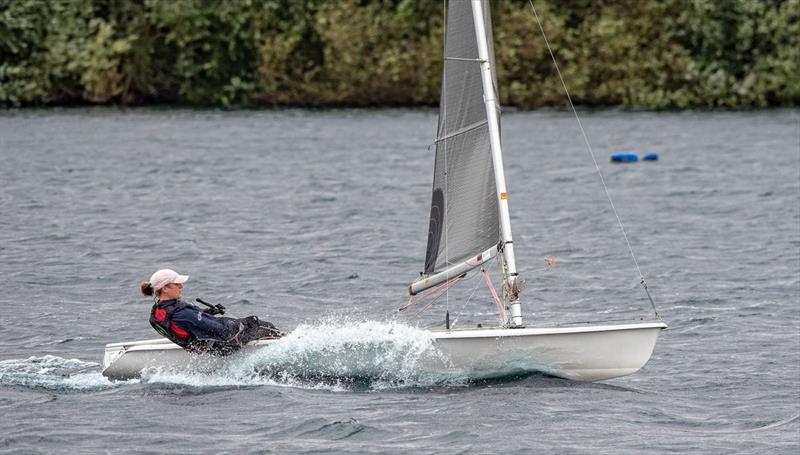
[112, 353]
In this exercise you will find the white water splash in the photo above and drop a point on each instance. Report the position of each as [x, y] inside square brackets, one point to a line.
[333, 355]
[379, 351]
[53, 373]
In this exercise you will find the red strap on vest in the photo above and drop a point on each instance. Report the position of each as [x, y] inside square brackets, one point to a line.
[160, 314]
[179, 332]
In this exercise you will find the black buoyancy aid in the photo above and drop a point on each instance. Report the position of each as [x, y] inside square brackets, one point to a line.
[161, 320]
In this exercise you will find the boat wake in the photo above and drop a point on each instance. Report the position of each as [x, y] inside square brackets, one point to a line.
[338, 355]
[54, 374]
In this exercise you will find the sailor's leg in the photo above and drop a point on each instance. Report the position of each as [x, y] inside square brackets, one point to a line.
[256, 329]
[268, 330]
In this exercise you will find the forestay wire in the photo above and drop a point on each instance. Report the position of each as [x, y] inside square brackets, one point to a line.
[597, 167]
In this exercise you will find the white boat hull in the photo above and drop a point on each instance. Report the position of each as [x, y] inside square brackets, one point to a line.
[583, 353]
[127, 360]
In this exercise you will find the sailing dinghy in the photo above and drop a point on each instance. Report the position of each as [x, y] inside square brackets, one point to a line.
[469, 226]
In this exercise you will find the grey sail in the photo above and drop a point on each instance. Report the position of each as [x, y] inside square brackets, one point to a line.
[464, 213]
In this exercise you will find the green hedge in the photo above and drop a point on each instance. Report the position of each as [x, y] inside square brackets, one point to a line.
[638, 53]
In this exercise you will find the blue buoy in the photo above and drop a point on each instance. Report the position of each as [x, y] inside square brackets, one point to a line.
[650, 157]
[624, 157]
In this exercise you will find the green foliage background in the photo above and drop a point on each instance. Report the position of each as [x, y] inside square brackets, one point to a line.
[638, 53]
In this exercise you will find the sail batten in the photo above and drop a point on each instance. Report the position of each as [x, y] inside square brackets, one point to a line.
[463, 130]
[464, 204]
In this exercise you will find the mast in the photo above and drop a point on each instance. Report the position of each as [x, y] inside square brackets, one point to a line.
[510, 275]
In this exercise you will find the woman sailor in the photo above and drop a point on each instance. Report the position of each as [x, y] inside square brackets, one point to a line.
[194, 329]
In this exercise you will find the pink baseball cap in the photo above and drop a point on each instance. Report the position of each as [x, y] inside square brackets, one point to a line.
[166, 276]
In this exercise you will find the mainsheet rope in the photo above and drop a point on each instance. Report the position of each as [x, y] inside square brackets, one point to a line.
[597, 167]
[474, 288]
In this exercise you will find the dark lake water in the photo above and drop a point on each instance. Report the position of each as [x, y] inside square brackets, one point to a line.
[317, 221]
